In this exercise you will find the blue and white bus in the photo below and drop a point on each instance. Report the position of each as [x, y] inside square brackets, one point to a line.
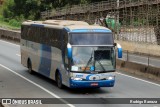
[73, 53]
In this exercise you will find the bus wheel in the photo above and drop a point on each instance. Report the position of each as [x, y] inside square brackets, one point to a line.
[30, 67]
[59, 81]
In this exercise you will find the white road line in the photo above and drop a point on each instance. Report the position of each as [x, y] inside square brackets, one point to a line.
[9, 43]
[54, 95]
[18, 54]
[139, 79]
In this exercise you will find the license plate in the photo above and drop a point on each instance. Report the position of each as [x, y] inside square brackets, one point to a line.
[94, 84]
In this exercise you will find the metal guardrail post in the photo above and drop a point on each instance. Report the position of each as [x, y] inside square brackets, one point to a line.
[127, 56]
[148, 60]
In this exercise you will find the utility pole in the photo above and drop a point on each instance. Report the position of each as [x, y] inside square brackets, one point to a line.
[1, 2]
[46, 13]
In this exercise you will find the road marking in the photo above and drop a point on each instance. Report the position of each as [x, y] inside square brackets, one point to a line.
[139, 79]
[9, 43]
[18, 54]
[49, 92]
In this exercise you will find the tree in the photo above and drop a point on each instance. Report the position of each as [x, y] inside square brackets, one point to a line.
[7, 7]
[30, 9]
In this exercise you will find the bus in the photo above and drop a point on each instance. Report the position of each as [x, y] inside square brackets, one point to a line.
[73, 53]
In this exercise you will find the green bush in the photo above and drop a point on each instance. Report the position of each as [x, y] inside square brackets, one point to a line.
[14, 23]
[6, 20]
[1, 18]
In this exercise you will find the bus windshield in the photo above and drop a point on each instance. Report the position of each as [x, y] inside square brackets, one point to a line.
[88, 59]
[91, 38]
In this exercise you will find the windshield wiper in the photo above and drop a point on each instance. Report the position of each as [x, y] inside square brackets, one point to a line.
[90, 59]
[101, 65]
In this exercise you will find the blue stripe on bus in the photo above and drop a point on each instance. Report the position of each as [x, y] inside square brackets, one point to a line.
[91, 30]
[45, 61]
[101, 30]
[37, 25]
[88, 84]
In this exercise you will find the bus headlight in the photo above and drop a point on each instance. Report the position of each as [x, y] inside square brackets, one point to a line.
[110, 78]
[76, 79]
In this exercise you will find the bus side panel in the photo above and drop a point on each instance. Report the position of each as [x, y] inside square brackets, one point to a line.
[58, 64]
[47, 64]
[50, 61]
[45, 60]
[30, 50]
[24, 53]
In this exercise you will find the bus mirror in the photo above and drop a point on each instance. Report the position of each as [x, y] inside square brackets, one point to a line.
[69, 49]
[119, 50]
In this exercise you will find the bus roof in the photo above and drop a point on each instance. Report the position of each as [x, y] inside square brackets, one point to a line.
[69, 25]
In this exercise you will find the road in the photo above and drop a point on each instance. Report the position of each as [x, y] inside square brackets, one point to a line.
[16, 82]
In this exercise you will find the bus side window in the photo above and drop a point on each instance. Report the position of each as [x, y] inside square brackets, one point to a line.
[24, 31]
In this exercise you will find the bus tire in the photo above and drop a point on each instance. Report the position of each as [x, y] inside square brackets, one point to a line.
[30, 67]
[59, 80]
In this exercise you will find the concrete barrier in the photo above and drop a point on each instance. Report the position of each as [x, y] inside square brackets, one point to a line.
[139, 69]
[10, 34]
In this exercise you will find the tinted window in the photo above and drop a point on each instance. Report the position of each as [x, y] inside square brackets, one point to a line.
[91, 39]
[48, 36]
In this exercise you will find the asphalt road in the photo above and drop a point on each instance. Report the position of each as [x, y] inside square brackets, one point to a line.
[16, 82]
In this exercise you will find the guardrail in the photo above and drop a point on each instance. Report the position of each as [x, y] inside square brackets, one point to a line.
[10, 34]
[140, 58]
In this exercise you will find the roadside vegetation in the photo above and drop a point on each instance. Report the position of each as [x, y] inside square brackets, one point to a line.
[14, 12]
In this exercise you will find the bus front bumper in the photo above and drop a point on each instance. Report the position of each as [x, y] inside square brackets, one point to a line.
[91, 84]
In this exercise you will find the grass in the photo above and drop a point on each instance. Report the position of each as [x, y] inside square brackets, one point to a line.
[12, 24]
[6, 25]
[150, 49]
